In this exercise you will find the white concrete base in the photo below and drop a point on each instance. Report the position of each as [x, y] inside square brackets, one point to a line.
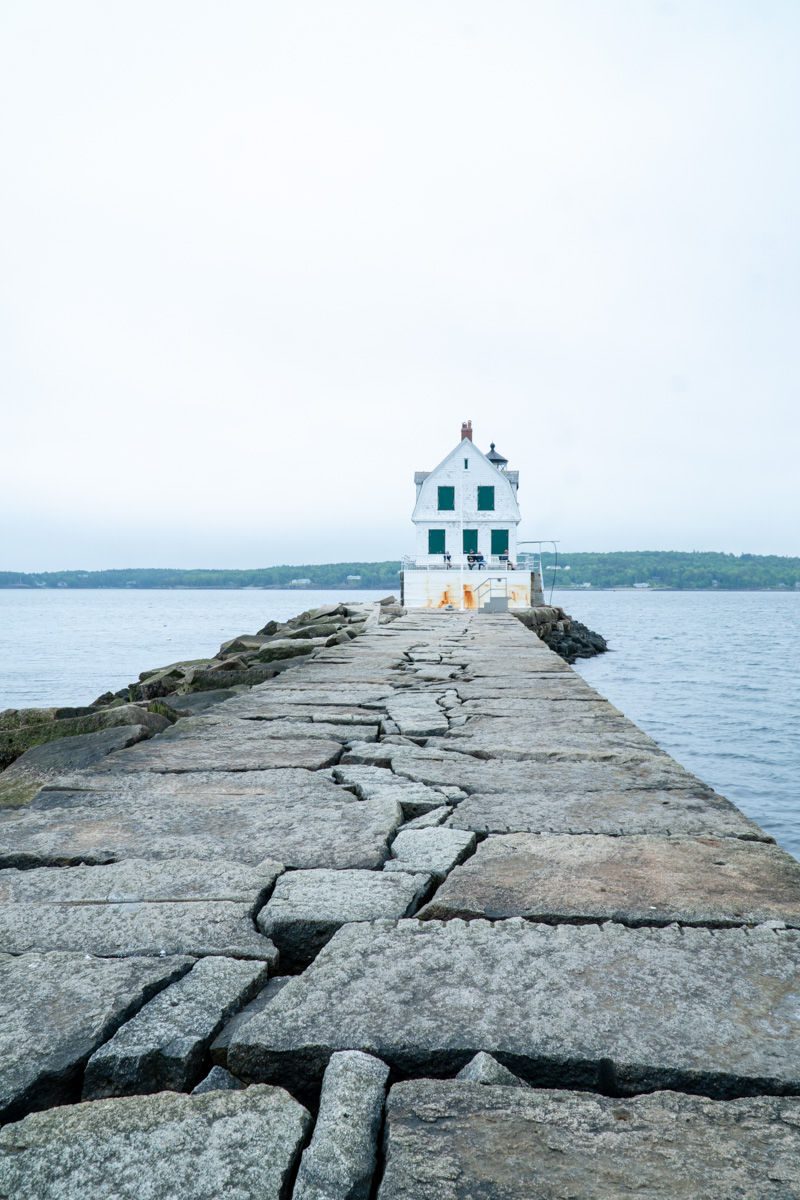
[464, 589]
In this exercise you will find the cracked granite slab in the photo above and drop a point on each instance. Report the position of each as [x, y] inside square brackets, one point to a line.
[56, 1009]
[369, 783]
[307, 907]
[436, 850]
[349, 673]
[135, 907]
[281, 692]
[635, 880]
[587, 1006]
[249, 708]
[550, 774]
[163, 1047]
[132, 929]
[252, 728]
[482, 714]
[139, 881]
[523, 738]
[417, 714]
[234, 746]
[236, 1144]
[519, 688]
[613, 812]
[447, 1140]
[480, 668]
[296, 817]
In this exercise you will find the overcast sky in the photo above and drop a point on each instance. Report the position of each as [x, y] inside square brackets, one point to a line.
[258, 261]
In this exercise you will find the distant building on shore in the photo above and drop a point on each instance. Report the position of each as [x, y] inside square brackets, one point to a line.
[466, 517]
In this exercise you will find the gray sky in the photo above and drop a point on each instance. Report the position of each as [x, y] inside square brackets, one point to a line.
[258, 260]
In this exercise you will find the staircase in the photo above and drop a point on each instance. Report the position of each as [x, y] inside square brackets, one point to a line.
[492, 596]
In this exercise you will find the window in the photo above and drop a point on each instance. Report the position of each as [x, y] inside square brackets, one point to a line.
[499, 541]
[447, 499]
[470, 541]
[466, 464]
[485, 499]
[435, 541]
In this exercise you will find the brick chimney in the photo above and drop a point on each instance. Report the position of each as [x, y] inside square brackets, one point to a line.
[466, 430]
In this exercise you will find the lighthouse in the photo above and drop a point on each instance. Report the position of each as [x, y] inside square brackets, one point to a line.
[466, 517]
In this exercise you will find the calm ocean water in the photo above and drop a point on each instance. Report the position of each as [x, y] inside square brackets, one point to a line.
[63, 647]
[714, 677]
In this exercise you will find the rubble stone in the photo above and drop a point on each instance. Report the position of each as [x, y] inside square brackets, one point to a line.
[340, 1161]
[485, 1069]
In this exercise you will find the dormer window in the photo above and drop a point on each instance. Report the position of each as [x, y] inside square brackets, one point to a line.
[447, 499]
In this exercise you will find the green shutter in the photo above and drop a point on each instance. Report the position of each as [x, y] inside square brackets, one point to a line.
[435, 541]
[470, 541]
[485, 499]
[499, 541]
[447, 499]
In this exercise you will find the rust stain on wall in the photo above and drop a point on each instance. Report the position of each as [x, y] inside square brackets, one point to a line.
[430, 592]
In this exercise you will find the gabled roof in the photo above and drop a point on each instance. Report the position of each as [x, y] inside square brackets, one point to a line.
[465, 446]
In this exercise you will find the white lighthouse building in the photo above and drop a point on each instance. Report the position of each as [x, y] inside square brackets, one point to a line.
[466, 518]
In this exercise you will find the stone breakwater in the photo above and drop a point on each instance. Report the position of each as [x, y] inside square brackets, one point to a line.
[424, 918]
[41, 742]
[569, 638]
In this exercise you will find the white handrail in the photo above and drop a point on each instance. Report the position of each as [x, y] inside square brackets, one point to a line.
[460, 563]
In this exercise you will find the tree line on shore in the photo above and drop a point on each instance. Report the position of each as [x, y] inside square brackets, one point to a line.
[683, 570]
[694, 570]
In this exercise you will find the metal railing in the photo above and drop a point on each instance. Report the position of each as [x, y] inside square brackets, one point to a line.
[537, 556]
[437, 562]
[491, 588]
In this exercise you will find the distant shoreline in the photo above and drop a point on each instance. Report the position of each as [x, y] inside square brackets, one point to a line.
[628, 570]
[330, 587]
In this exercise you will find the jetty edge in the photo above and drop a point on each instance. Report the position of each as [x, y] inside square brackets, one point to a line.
[424, 917]
[41, 742]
